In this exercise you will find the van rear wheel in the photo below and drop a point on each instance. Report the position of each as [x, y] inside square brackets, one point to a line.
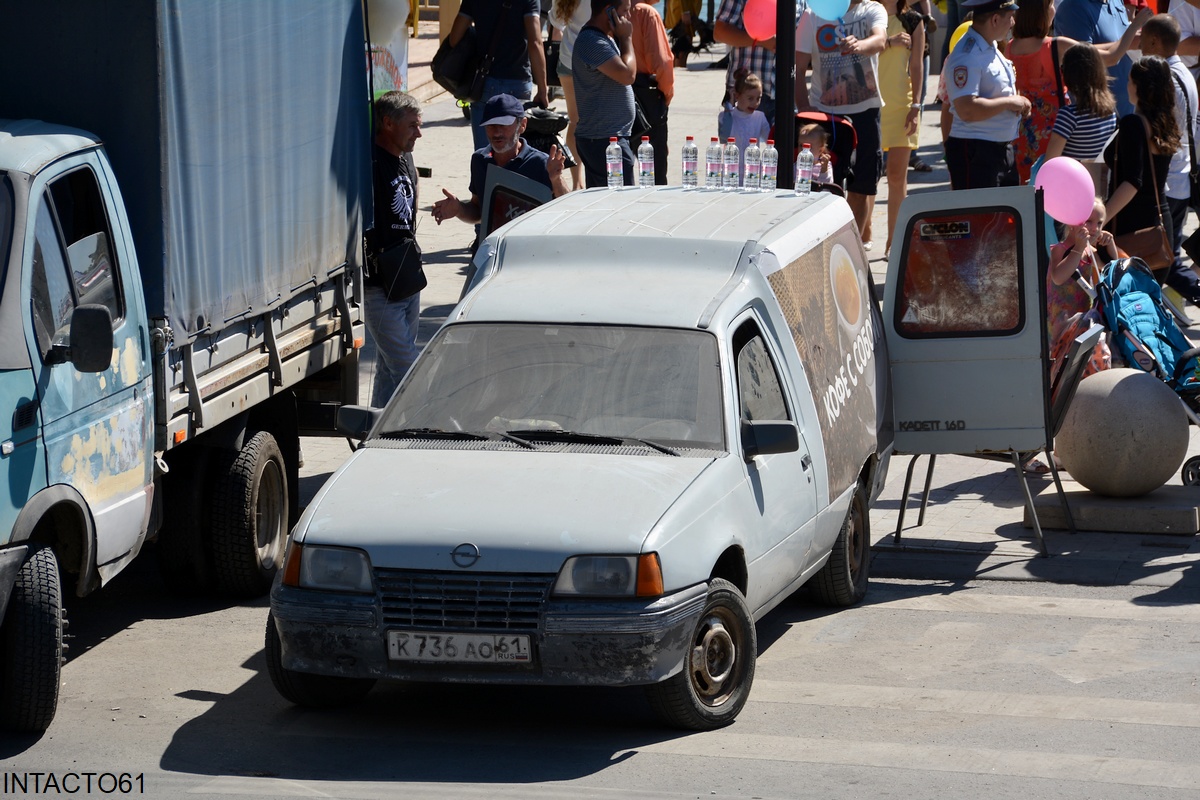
[249, 517]
[843, 579]
[31, 645]
[718, 669]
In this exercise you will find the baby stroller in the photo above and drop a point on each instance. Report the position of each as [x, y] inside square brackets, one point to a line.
[1146, 335]
[842, 141]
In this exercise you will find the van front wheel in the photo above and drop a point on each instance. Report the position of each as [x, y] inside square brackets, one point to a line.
[718, 669]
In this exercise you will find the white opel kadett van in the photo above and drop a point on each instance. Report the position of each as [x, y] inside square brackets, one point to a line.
[656, 414]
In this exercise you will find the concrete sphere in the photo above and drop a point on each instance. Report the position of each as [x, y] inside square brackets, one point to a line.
[1125, 433]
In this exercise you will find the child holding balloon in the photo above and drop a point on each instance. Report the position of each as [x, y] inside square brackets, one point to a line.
[1070, 287]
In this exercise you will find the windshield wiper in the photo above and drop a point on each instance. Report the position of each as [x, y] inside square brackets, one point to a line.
[557, 435]
[433, 433]
[662, 448]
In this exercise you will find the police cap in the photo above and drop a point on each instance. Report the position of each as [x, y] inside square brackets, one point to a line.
[988, 6]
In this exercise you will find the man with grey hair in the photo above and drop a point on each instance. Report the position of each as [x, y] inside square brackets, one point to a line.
[392, 323]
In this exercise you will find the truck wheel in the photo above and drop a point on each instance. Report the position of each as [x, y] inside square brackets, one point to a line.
[304, 689]
[718, 669]
[31, 645]
[249, 517]
[843, 579]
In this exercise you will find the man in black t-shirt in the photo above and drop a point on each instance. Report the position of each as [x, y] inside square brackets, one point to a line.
[511, 30]
[392, 324]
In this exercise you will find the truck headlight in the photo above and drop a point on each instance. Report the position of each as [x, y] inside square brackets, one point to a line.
[610, 576]
[335, 569]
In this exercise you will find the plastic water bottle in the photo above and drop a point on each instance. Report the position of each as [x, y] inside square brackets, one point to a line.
[732, 172]
[690, 156]
[804, 170]
[753, 179]
[770, 166]
[645, 162]
[616, 167]
[712, 158]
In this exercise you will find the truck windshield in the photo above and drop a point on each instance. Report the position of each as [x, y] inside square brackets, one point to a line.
[653, 384]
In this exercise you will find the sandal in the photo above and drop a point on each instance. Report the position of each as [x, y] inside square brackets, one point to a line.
[1035, 466]
[916, 164]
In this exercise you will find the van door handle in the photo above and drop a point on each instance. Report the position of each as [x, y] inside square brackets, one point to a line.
[806, 462]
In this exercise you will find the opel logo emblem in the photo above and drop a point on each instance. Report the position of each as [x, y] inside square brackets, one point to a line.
[465, 555]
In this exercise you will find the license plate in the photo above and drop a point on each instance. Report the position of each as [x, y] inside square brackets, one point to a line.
[458, 648]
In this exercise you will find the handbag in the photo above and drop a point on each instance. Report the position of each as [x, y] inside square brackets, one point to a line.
[1152, 244]
[1194, 173]
[454, 67]
[399, 269]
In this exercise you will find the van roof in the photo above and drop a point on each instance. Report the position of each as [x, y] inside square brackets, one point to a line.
[655, 256]
[27, 145]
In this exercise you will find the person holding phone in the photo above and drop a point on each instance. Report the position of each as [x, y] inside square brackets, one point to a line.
[604, 68]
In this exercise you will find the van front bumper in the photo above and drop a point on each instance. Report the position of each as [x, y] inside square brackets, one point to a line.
[580, 643]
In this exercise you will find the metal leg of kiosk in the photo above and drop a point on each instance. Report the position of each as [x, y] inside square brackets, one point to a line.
[1037, 526]
[907, 487]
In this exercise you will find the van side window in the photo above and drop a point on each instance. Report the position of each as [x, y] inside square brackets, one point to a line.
[73, 261]
[760, 396]
[961, 276]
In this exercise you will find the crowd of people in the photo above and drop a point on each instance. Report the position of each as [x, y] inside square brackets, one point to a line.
[1023, 81]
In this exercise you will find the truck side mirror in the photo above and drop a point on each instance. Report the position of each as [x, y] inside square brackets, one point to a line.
[356, 421]
[91, 340]
[767, 438]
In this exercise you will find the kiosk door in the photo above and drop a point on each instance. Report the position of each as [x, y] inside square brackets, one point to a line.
[965, 322]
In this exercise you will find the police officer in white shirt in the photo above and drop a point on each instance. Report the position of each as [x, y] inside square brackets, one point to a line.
[984, 103]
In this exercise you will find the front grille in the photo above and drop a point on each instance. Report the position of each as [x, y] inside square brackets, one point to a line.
[461, 601]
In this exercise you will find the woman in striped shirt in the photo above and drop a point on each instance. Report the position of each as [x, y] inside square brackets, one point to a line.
[1082, 128]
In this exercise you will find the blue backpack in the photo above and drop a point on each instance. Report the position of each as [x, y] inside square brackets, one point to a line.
[1143, 331]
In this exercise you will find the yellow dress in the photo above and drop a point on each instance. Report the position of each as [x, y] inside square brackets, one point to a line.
[895, 87]
[675, 9]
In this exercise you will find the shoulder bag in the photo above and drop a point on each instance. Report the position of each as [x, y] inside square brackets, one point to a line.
[1149, 244]
[454, 66]
[1194, 174]
[399, 269]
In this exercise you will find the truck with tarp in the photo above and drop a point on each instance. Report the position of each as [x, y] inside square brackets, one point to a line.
[183, 187]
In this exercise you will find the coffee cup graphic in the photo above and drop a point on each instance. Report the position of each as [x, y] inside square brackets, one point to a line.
[847, 289]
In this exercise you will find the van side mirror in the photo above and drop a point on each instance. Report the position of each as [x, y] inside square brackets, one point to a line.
[90, 344]
[356, 421]
[768, 438]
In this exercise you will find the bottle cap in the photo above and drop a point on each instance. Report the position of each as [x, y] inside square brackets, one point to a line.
[732, 140]
[612, 138]
[770, 141]
[645, 138]
[689, 138]
[807, 146]
[714, 138]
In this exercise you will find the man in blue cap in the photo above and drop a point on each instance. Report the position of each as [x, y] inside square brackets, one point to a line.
[504, 121]
[984, 104]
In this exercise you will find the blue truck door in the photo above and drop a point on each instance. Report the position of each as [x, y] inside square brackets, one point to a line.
[964, 313]
[97, 428]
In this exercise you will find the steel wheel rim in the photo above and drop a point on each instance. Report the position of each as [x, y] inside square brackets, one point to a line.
[715, 663]
[268, 512]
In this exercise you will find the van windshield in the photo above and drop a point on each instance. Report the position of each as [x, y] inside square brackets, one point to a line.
[652, 384]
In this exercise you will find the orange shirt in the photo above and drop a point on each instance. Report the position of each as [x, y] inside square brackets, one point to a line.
[651, 48]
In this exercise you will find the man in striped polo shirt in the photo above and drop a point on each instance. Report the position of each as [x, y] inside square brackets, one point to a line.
[604, 69]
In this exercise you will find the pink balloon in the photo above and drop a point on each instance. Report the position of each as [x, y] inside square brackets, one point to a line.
[758, 18]
[1068, 191]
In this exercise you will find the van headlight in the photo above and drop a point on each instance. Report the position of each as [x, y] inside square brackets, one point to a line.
[334, 569]
[610, 576]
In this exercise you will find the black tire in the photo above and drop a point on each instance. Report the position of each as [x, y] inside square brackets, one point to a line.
[843, 579]
[719, 668]
[249, 524]
[31, 645]
[304, 689]
[1190, 474]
